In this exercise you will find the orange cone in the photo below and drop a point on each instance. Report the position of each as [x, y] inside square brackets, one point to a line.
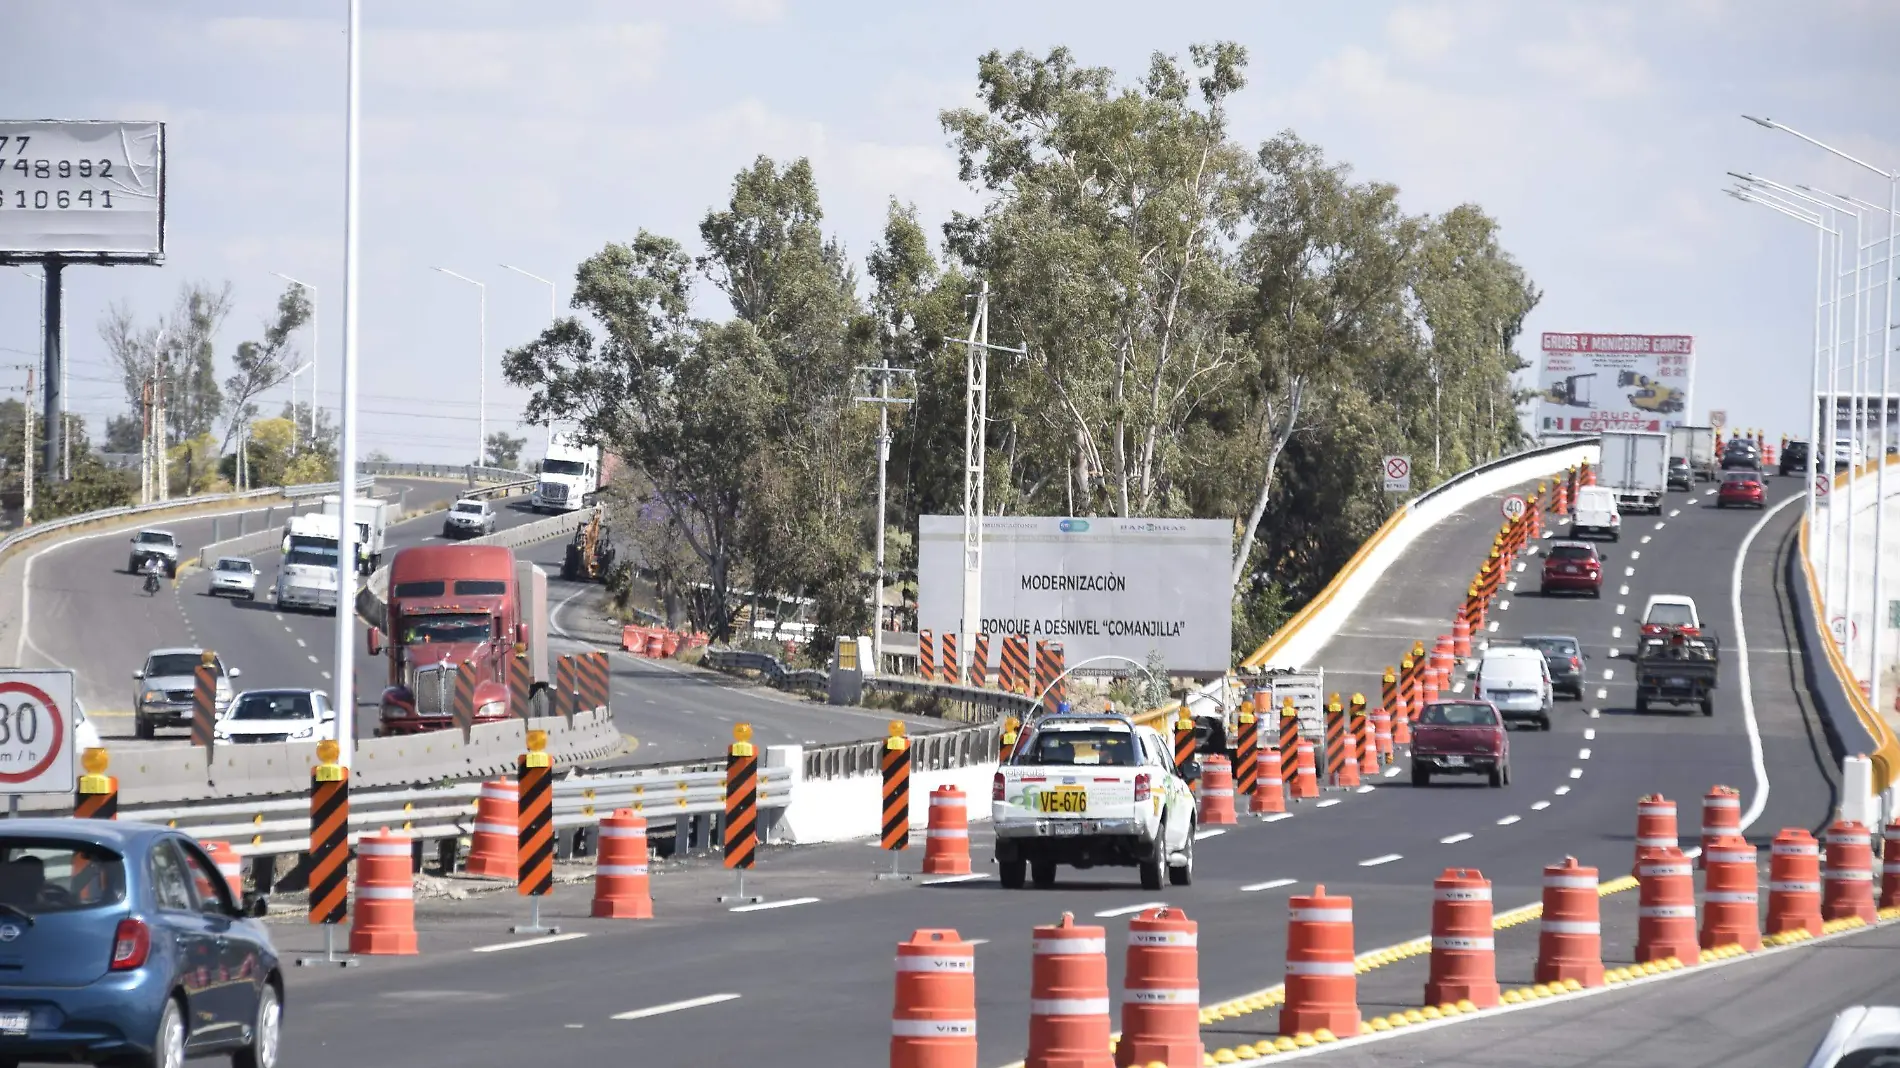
[1461, 635]
[947, 838]
[1161, 992]
[1068, 998]
[1721, 815]
[383, 923]
[1665, 910]
[491, 850]
[1655, 824]
[1428, 690]
[1794, 883]
[1305, 772]
[1322, 984]
[1847, 883]
[1269, 791]
[1217, 792]
[1570, 942]
[1890, 866]
[1731, 910]
[933, 1023]
[621, 890]
[230, 865]
[1464, 955]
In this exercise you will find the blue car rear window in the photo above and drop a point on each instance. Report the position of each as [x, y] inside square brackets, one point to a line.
[42, 875]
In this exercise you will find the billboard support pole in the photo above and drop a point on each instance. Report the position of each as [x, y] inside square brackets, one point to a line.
[52, 370]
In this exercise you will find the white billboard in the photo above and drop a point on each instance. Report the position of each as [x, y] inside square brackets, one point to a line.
[82, 188]
[1125, 587]
[1595, 382]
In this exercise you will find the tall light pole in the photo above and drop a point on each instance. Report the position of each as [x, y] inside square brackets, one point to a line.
[481, 417]
[1879, 619]
[554, 312]
[315, 352]
[346, 461]
[308, 364]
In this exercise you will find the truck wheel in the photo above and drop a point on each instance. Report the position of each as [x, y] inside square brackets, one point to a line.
[143, 728]
[1010, 871]
[1043, 873]
[1421, 775]
[1151, 876]
[1642, 704]
[1708, 705]
[1497, 777]
[1184, 875]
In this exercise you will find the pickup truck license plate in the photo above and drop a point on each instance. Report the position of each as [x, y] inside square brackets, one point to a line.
[1678, 682]
[15, 1022]
[1068, 800]
[1455, 761]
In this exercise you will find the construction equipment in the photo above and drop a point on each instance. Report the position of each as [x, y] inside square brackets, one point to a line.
[1571, 391]
[590, 555]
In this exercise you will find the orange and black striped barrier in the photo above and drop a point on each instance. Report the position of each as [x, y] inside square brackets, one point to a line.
[1246, 752]
[952, 664]
[590, 680]
[97, 795]
[927, 655]
[1051, 655]
[204, 700]
[1183, 741]
[329, 849]
[1289, 727]
[1364, 737]
[534, 878]
[1016, 663]
[520, 687]
[1335, 728]
[1006, 747]
[1407, 690]
[462, 705]
[980, 661]
[567, 687]
[895, 766]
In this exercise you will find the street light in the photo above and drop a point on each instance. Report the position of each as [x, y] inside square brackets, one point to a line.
[481, 418]
[554, 312]
[345, 637]
[1879, 620]
[308, 364]
[315, 352]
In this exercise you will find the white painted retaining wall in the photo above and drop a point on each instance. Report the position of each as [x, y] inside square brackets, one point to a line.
[848, 809]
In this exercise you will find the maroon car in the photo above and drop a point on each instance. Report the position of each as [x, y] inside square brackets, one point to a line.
[1460, 738]
[1572, 567]
[1741, 488]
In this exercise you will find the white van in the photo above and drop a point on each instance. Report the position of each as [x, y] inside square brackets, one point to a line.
[1594, 513]
[1516, 680]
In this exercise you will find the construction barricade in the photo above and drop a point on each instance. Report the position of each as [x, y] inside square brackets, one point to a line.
[1161, 992]
[1068, 997]
[1464, 955]
[947, 835]
[1847, 883]
[933, 1020]
[1570, 941]
[1665, 908]
[1322, 985]
[621, 887]
[1731, 909]
[1794, 883]
[385, 918]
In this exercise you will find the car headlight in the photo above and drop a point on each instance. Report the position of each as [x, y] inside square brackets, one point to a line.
[151, 696]
[493, 708]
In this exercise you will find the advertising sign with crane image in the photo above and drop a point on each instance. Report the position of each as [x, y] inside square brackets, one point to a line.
[1596, 382]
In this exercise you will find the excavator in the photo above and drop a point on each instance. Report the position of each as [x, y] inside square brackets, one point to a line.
[590, 555]
[1650, 395]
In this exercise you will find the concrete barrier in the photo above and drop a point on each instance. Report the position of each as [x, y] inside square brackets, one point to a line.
[849, 808]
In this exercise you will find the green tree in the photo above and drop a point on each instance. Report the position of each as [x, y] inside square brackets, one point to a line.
[504, 450]
[184, 345]
[265, 364]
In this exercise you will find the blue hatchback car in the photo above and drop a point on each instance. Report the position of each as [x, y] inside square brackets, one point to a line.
[122, 943]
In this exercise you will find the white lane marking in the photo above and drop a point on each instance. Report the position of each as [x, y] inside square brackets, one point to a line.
[1608, 674]
[1376, 861]
[1365, 789]
[1760, 801]
[1508, 820]
[1328, 803]
[1660, 523]
[1492, 626]
[1623, 590]
[526, 942]
[944, 880]
[1576, 773]
[1202, 836]
[1629, 572]
[677, 1006]
[1391, 771]
[1129, 910]
[1276, 817]
[1504, 605]
[1602, 694]
[1619, 609]
[326, 675]
[1589, 734]
[1457, 687]
[1645, 539]
[763, 905]
[1636, 554]
[977, 941]
[1595, 713]
[1454, 839]
[1539, 806]
[278, 616]
[1612, 652]
[1616, 632]
[301, 643]
[1512, 585]
[1583, 754]
[1270, 884]
[1520, 568]
[1674, 512]
[1692, 853]
[554, 617]
[313, 658]
[1561, 790]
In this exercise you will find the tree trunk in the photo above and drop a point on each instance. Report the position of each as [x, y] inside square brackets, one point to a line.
[1296, 390]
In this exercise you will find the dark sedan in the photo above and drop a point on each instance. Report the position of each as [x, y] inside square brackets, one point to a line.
[121, 943]
[1794, 458]
[1681, 475]
[1741, 455]
[1564, 655]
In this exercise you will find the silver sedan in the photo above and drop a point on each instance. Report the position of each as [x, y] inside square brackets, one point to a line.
[235, 575]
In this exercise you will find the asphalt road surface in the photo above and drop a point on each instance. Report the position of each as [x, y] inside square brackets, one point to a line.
[808, 983]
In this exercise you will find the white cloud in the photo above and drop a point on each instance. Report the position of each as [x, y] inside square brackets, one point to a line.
[1423, 33]
[1594, 59]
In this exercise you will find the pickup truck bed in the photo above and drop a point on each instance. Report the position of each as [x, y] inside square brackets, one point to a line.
[1671, 675]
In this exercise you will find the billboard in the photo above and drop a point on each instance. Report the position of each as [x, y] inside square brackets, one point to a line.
[82, 189]
[1594, 382]
[1125, 587]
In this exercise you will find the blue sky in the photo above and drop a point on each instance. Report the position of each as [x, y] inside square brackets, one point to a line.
[531, 133]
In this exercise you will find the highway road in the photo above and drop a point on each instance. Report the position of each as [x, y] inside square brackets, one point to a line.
[1574, 793]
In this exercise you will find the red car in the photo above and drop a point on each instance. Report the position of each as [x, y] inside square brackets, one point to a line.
[1460, 738]
[1572, 567]
[1740, 488]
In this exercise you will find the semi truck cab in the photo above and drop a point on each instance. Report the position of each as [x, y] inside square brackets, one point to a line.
[570, 476]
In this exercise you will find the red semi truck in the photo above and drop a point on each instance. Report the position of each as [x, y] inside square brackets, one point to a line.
[454, 608]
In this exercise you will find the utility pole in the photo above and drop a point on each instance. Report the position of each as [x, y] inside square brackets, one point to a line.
[26, 452]
[883, 373]
[161, 456]
[976, 416]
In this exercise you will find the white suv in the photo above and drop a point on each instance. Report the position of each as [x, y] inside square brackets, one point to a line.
[468, 519]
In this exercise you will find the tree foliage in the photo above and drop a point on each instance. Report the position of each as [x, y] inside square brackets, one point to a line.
[504, 450]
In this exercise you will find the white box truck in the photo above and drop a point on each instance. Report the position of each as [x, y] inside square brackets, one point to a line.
[1695, 444]
[372, 528]
[1635, 467]
[570, 476]
[307, 576]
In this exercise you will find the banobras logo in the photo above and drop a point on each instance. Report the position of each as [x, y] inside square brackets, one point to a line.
[1074, 526]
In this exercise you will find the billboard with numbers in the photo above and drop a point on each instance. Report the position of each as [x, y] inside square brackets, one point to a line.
[1594, 382]
[1100, 586]
[83, 190]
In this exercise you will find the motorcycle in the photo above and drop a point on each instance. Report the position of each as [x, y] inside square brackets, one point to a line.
[151, 583]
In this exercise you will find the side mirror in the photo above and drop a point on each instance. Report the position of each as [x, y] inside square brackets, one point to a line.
[235, 672]
[375, 641]
[138, 674]
[521, 634]
[1192, 773]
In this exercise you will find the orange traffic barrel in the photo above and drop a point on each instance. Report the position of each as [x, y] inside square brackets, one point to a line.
[1794, 883]
[491, 849]
[1890, 866]
[1461, 635]
[1570, 941]
[1305, 771]
[230, 865]
[1655, 824]
[1217, 791]
[1665, 907]
[1847, 883]
[384, 920]
[669, 643]
[1363, 735]
[933, 1020]
[1322, 984]
[1269, 788]
[656, 644]
[1721, 815]
[1443, 658]
[1068, 998]
[1428, 688]
[1161, 992]
[621, 889]
[1464, 955]
[1382, 733]
[1731, 909]
[947, 836]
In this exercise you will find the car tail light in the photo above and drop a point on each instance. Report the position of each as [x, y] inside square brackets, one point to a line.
[996, 787]
[1576, 664]
[1141, 787]
[131, 944]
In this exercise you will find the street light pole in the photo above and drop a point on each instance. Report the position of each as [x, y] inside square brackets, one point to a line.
[554, 312]
[315, 351]
[345, 680]
[481, 417]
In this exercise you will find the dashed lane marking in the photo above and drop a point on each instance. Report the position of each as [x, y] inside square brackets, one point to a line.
[1583, 754]
[1270, 884]
[1645, 539]
[1276, 817]
[544, 940]
[1590, 733]
[1623, 590]
[1454, 839]
[1391, 771]
[1512, 585]
[326, 676]
[1492, 626]
[1374, 862]
[1608, 674]
[1674, 512]
[1508, 820]
[301, 643]
[1365, 789]
[1629, 572]
[1576, 773]
[1561, 790]
[1328, 803]
[1620, 609]
[677, 1006]
[1660, 523]
[1129, 910]
[1602, 694]
[945, 880]
[313, 657]
[1539, 806]
[1202, 836]
[1616, 632]
[1504, 605]
[1636, 554]
[764, 905]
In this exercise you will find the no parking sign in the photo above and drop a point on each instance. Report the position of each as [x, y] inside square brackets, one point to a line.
[36, 732]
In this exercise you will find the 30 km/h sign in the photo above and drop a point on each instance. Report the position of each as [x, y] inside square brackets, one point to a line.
[1398, 474]
[36, 733]
[1513, 507]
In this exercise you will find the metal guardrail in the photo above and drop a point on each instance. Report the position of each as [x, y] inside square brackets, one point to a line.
[928, 752]
[778, 675]
[1470, 473]
[468, 471]
[768, 666]
[54, 526]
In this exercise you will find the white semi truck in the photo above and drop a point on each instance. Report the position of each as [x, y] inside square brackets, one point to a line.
[570, 476]
[307, 576]
[372, 526]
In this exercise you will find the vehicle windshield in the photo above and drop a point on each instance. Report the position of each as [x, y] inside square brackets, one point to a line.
[1670, 615]
[232, 563]
[312, 556]
[563, 467]
[462, 627]
[1678, 461]
[1460, 715]
[1572, 552]
[468, 506]
[41, 875]
[1553, 646]
[169, 664]
[273, 706]
[1102, 748]
[1746, 478]
[1882, 1057]
[151, 537]
[1797, 449]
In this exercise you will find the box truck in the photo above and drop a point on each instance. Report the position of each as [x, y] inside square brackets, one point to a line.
[1695, 444]
[1635, 467]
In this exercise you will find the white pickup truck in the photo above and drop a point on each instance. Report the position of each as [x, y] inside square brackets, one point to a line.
[1088, 790]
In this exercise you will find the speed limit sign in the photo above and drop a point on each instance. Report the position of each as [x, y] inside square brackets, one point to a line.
[36, 732]
[1513, 507]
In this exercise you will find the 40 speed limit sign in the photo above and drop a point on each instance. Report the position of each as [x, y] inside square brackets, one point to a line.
[36, 732]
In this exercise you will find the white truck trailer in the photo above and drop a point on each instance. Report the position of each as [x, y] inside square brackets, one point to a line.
[1635, 467]
[372, 528]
